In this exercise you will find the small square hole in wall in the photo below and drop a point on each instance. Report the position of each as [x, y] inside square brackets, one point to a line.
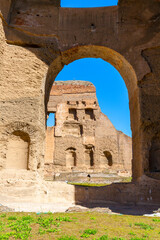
[88, 3]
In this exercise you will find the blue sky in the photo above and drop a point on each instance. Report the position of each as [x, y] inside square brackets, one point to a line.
[111, 90]
[88, 3]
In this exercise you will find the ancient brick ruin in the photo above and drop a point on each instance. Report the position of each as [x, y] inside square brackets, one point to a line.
[37, 39]
[83, 138]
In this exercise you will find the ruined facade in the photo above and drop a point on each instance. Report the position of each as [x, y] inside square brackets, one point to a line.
[83, 138]
[37, 38]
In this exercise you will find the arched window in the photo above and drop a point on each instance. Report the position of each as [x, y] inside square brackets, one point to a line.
[18, 150]
[71, 160]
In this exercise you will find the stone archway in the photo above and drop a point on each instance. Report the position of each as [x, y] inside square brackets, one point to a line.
[128, 74]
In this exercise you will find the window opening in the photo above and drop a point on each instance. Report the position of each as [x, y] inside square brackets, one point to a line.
[89, 114]
[51, 120]
[88, 4]
[72, 114]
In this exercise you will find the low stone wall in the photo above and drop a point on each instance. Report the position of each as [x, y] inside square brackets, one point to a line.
[146, 192]
[29, 192]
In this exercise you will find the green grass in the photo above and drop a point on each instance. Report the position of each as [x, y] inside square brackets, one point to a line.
[144, 226]
[88, 232]
[76, 226]
[91, 184]
[88, 184]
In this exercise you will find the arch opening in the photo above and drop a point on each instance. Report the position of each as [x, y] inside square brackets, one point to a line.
[115, 59]
[108, 157]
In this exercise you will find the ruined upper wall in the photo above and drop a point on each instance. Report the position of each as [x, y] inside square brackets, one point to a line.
[70, 87]
[64, 91]
[41, 23]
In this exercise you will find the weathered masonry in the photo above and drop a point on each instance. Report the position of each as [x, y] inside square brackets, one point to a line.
[37, 38]
[83, 138]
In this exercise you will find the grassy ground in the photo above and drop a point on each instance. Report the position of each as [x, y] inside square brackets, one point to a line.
[92, 184]
[72, 226]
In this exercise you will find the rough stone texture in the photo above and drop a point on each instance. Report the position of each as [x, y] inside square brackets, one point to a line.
[37, 39]
[83, 138]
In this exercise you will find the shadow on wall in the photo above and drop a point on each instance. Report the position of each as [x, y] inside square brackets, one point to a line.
[123, 198]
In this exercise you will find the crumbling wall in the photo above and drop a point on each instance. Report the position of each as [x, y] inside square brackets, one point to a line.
[84, 139]
[35, 44]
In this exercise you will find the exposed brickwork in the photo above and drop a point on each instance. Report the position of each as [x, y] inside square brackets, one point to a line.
[69, 89]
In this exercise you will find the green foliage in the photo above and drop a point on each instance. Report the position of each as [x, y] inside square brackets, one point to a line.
[29, 219]
[156, 219]
[127, 179]
[29, 226]
[145, 235]
[5, 236]
[41, 231]
[88, 232]
[117, 238]
[45, 222]
[63, 219]
[67, 238]
[132, 233]
[12, 218]
[144, 226]
[88, 184]
[21, 229]
[137, 238]
[49, 230]
[104, 237]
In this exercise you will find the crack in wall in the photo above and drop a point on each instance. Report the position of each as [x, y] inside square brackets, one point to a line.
[146, 59]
